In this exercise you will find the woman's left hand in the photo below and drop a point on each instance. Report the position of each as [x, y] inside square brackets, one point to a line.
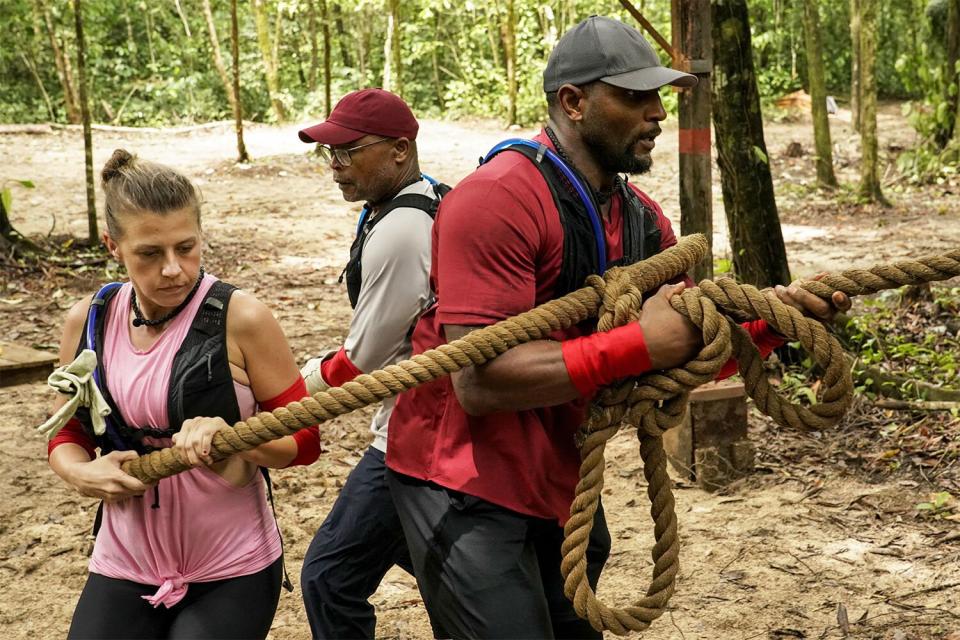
[194, 438]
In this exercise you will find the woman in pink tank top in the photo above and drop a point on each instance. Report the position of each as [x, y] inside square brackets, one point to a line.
[181, 356]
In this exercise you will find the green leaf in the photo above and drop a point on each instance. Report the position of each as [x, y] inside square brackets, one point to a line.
[6, 197]
[26, 183]
[760, 155]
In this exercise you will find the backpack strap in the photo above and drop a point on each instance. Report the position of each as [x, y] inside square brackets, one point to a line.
[536, 152]
[92, 338]
[353, 271]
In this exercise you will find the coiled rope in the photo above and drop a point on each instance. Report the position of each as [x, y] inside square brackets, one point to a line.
[653, 403]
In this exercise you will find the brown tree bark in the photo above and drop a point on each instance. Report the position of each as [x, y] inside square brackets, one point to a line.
[183, 18]
[756, 240]
[855, 74]
[826, 179]
[242, 155]
[62, 63]
[870, 190]
[314, 49]
[325, 16]
[268, 55]
[92, 234]
[217, 57]
[508, 27]
[951, 79]
[341, 35]
[392, 72]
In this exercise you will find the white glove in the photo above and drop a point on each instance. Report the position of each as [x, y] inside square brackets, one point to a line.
[77, 378]
[313, 376]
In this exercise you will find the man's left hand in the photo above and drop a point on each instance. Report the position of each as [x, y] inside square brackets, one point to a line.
[811, 305]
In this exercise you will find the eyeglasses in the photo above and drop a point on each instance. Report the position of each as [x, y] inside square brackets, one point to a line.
[328, 153]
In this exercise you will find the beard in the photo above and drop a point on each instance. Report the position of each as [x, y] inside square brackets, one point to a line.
[613, 154]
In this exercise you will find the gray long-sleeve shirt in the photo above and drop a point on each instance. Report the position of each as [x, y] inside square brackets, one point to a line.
[395, 290]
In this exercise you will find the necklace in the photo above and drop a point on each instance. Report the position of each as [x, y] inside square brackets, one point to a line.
[602, 196]
[140, 321]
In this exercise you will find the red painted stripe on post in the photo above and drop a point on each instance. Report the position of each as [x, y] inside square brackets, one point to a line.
[695, 141]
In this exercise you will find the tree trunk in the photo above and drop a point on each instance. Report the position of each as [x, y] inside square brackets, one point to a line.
[397, 47]
[131, 41]
[242, 155]
[32, 68]
[434, 59]
[92, 233]
[951, 80]
[327, 102]
[392, 71]
[341, 36]
[491, 33]
[508, 33]
[217, 57]
[64, 70]
[869, 174]
[314, 49]
[855, 75]
[818, 95]
[148, 19]
[387, 80]
[183, 19]
[756, 240]
[267, 54]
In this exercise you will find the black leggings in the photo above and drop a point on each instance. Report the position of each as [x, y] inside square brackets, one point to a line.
[241, 607]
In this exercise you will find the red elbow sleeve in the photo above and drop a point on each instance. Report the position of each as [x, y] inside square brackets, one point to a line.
[74, 433]
[308, 440]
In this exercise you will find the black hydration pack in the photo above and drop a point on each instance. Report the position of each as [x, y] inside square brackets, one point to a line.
[200, 382]
[584, 243]
[428, 205]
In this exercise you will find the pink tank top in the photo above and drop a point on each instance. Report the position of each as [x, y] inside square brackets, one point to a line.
[205, 528]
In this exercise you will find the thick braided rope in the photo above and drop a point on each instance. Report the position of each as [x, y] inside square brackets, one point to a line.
[478, 347]
[657, 402]
[653, 403]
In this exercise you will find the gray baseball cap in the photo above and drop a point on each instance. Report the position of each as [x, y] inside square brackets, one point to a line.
[605, 49]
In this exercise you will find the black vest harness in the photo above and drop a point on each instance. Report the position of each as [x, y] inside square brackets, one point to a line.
[200, 382]
[352, 271]
[584, 245]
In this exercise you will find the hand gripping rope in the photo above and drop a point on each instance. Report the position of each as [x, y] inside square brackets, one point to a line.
[652, 403]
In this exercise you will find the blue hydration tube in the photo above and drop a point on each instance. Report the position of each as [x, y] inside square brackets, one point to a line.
[366, 211]
[574, 180]
[96, 308]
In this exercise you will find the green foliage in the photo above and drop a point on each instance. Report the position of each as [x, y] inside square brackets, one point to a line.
[885, 335]
[940, 505]
[145, 69]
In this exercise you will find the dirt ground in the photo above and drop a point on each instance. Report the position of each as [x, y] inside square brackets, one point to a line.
[816, 544]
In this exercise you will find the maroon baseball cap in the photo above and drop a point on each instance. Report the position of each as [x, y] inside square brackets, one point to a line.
[365, 112]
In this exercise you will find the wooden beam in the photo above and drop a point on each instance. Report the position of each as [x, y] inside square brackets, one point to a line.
[20, 364]
[649, 28]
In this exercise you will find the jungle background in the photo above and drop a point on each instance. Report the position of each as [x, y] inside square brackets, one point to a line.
[851, 532]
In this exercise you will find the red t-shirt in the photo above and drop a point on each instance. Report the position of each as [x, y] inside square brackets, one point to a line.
[497, 252]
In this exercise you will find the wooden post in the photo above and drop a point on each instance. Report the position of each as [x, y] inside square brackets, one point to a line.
[693, 53]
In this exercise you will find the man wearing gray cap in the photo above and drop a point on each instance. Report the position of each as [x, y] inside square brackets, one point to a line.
[482, 466]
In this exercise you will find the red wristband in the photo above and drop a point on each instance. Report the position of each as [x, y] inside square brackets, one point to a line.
[597, 360]
[339, 369]
[766, 340]
[308, 440]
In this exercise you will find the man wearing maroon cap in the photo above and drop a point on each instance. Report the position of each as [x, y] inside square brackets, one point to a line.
[370, 142]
